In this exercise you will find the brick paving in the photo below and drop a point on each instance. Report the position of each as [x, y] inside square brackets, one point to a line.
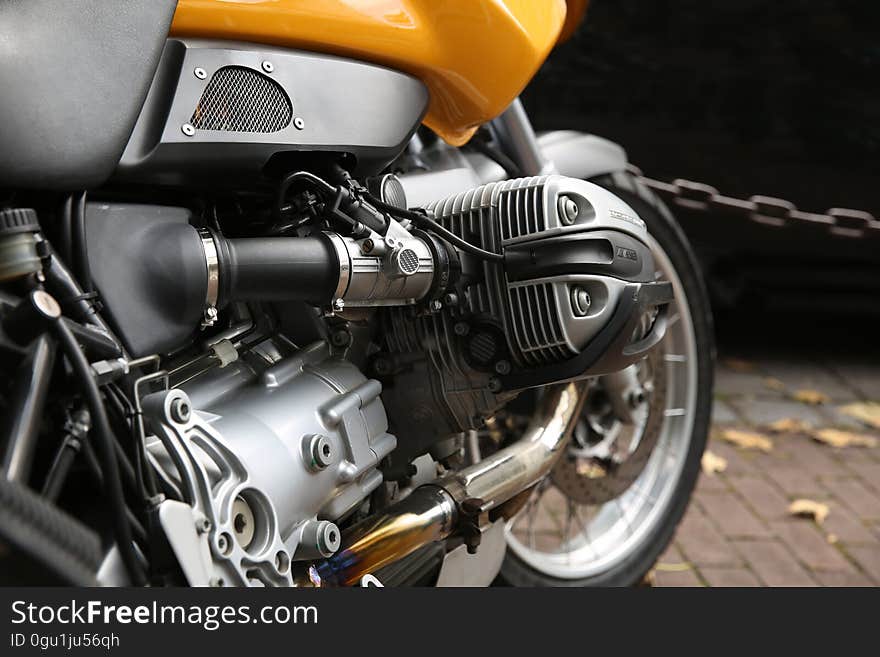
[737, 531]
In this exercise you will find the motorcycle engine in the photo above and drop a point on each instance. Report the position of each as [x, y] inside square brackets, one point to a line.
[575, 296]
[272, 444]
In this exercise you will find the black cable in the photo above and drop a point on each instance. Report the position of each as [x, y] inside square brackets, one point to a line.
[510, 167]
[426, 222]
[66, 228]
[106, 450]
[83, 271]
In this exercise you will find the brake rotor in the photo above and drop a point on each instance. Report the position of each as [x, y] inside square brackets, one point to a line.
[607, 453]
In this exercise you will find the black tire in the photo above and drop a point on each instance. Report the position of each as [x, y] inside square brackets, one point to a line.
[668, 233]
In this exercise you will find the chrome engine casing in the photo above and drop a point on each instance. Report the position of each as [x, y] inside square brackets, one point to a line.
[270, 456]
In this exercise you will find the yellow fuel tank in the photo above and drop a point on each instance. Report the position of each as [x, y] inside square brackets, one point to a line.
[475, 56]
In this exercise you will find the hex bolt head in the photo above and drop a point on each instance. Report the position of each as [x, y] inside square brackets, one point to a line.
[329, 538]
[200, 73]
[368, 245]
[180, 410]
[319, 452]
[338, 305]
[188, 130]
[568, 210]
[580, 301]
[320, 538]
[203, 526]
[502, 367]
[268, 66]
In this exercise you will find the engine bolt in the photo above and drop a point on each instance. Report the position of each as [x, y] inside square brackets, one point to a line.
[494, 384]
[461, 328]
[319, 452]
[435, 306]
[568, 210]
[580, 301]
[338, 305]
[368, 245]
[203, 526]
[451, 299]
[502, 367]
[180, 410]
[340, 338]
[320, 537]
[216, 582]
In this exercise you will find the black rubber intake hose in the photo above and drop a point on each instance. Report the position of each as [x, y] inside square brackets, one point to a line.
[66, 548]
[277, 269]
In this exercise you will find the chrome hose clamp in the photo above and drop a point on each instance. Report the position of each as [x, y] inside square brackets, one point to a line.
[344, 264]
[212, 262]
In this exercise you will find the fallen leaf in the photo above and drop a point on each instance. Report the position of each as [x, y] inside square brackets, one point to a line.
[713, 463]
[739, 365]
[789, 425]
[838, 438]
[748, 440]
[774, 384]
[867, 412]
[832, 539]
[813, 397]
[672, 567]
[809, 509]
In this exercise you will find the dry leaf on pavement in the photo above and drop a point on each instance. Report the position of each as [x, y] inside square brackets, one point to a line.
[789, 425]
[748, 440]
[673, 567]
[713, 463]
[813, 397]
[867, 412]
[809, 509]
[837, 438]
[774, 384]
[832, 539]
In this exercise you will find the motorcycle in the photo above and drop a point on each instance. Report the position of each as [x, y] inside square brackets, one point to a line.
[294, 295]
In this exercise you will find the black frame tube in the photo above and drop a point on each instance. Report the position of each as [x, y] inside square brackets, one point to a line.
[26, 409]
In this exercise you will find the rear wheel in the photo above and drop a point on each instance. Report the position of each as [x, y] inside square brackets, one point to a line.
[612, 503]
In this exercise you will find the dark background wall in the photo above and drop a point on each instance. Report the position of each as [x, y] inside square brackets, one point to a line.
[773, 97]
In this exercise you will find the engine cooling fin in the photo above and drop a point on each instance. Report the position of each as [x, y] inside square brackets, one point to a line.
[575, 296]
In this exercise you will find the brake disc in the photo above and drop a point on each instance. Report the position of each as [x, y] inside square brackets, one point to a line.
[616, 434]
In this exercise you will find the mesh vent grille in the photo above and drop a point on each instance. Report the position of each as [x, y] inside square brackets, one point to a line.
[408, 261]
[239, 99]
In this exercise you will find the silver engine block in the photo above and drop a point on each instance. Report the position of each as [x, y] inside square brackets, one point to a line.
[267, 457]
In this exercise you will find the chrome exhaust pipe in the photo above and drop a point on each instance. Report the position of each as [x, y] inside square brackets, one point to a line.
[433, 512]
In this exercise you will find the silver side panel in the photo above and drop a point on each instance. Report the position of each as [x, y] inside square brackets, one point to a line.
[579, 155]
